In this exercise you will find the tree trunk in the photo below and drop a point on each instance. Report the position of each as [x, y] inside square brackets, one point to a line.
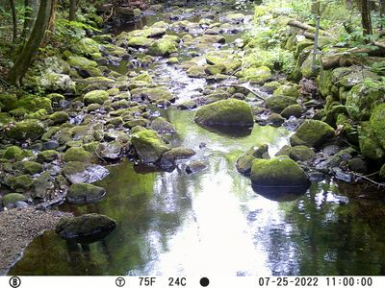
[382, 12]
[27, 20]
[25, 59]
[73, 8]
[14, 19]
[366, 19]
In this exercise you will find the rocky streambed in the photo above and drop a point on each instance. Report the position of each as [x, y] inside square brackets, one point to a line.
[154, 128]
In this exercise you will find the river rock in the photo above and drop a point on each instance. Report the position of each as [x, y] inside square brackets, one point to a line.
[377, 123]
[169, 157]
[84, 193]
[278, 103]
[85, 229]
[26, 129]
[15, 153]
[110, 151]
[78, 154]
[280, 171]
[369, 144]
[312, 133]
[96, 96]
[245, 162]
[78, 172]
[195, 167]
[230, 112]
[162, 126]
[163, 47]
[10, 200]
[149, 146]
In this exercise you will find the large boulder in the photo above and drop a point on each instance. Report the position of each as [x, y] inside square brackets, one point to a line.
[245, 162]
[96, 96]
[84, 193]
[231, 112]
[85, 229]
[378, 124]
[370, 147]
[163, 47]
[278, 103]
[149, 146]
[280, 171]
[312, 133]
[26, 129]
[226, 58]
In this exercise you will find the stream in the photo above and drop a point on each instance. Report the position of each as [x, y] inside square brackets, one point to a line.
[213, 222]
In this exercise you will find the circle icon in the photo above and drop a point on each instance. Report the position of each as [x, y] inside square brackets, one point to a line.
[15, 282]
[204, 281]
[120, 282]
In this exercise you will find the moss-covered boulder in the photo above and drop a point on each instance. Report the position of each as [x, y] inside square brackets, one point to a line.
[231, 112]
[11, 199]
[78, 154]
[277, 172]
[16, 153]
[169, 157]
[245, 161]
[312, 133]
[26, 129]
[377, 124]
[257, 75]
[278, 103]
[163, 47]
[34, 103]
[292, 110]
[59, 117]
[96, 96]
[47, 156]
[84, 193]
[81, 62]
[22, 182]
[162, 126]
[8, 102]
[301, 153]
[31, 167]
[139, 42]
[225, 58]
[85, 229]
[149, 146]
[152, 94]
[86, 47]
[369, 145]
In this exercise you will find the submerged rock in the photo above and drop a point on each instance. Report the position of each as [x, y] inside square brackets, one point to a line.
[85, 229]
[78, 172]
[230, 112]
[245, 162]
[83, 193]
[312, 133]
[195, 167]
[149, 146]
[169, 157]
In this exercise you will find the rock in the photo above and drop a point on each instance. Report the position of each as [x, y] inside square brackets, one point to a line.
[369, 145]
[275, 119]
[278, 172]
[301, 153]
[86, 47]
[51, 82]
[78, 172]
[34, 103]
[215, 69]
[31, 167]
[85, 229]
[278, 103]
[196, 71]
[152, 94]
[110, 151]
[230, 112]
[59, 117]
[84, 193]
[16, 153]
[312, 133]
[377, 124]
[187, 105]
[23, 182]
[245, 161]
[139, 42]
[43, 185]
[149, 146]
[358, 165]
[10, 200]
[78, 154]
[47, 156]
[162, 126]
[96, 96]
[195, 167]
[225, 58]
[163, 47]
[169, 157]
[256, 75]
[95, 83]
[81, 62]
[26, 129]
[292, 110]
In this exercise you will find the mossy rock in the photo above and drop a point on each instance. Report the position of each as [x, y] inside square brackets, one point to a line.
[96, 96]
[377, 124]
[169, 157]
[78, 154]
[290, 90]
[277, 172]
[47, 156]
[95, 83]
[86, 47]
[16, 153]
[257, 75]
[26, 129]
[38, 115]
[245, 162]
[12, 198]
[85, 229]
[369, 145]
[301, 153]
[226, 58]
[22, 182]
[278, 103]
[231, 112]
[34, 103]
[139, 42]
[162, 126]
[312, 133]
[81, 62]
[292, 110]
[59, 117]
[163, 47]
[8, 102]
[149, 146]
[5, 118]
[84, 193]
[187, 105]
[152, 94]
[31, 167]
[215, 69]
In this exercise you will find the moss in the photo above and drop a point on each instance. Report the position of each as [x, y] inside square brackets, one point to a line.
[11, 199]
[226, 58]
[162, 126]
[39, 115]
[20, 182]
[19, 112]
[196, 71]
[278, 103]
[245, 162]
[301, 153]
[377, 123]
[81, 62]
[292, 110]
[370, 147]
[34, 103]
[215, 69]
[140, 41]
[27, 129]
[153, 94]
[312, 133]
[84, 193]
[16, 153]
[149, 146]
[59, 117]
[230, 112]
[86, 47]
[290, 90]
[277, 172]
[96, 96]
[5, 118]
[47, 156]
[324, 81]
[8, 102]
[257, 75]
[31, 167]
[77, 154]
[163, 47]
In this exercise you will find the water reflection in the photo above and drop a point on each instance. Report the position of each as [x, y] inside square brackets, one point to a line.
[280, 193]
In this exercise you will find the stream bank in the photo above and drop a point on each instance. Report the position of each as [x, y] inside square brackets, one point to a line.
[121, 95]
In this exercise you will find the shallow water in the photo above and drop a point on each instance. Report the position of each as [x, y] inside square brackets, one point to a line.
[213, 222]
